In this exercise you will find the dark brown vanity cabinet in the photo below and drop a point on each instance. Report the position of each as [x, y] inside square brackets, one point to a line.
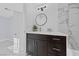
[45, 45]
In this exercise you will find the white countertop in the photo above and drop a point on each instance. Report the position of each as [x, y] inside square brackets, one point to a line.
[49, 33]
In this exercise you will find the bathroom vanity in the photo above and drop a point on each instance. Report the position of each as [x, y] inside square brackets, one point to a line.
[45, 44]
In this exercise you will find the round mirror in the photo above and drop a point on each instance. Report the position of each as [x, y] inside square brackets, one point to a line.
[41, 19]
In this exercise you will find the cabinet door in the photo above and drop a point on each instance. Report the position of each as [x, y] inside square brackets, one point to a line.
[42, 48]
[32, 47]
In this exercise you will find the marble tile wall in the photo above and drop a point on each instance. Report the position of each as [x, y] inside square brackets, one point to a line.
[68, 16]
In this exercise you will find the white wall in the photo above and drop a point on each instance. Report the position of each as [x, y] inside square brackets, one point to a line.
[51, 12]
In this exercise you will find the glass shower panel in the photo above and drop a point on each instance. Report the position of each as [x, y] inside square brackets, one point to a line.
[5, 38]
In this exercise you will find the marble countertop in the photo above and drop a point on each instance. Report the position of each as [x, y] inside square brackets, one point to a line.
[49, 33]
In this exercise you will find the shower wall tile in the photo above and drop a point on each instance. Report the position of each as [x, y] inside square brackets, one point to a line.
[69, 23]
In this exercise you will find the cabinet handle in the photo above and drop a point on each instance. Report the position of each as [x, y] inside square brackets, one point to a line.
[55, 39]
[56, 49]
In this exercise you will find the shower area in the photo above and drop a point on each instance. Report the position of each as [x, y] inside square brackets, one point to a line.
[68, 16]
[10, 32]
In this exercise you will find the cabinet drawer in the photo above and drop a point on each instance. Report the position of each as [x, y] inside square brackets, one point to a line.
[56, 52]
[59, 45]
[57, 39]
[37, 36]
